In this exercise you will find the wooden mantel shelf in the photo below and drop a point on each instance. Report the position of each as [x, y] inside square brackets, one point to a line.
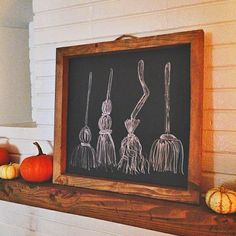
[163, 216]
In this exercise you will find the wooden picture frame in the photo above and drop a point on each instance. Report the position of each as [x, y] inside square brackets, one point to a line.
[189, 194]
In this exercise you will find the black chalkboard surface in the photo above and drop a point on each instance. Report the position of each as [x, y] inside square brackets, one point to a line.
[125, 93]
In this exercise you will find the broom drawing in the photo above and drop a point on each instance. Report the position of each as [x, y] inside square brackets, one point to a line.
[83, 156]
[132, 160]
[167, 152]
[105, 152]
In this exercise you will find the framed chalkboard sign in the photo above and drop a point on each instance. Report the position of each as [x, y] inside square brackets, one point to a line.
[128, 116]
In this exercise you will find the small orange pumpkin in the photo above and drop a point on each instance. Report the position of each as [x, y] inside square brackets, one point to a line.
[37, 168]
[221, 200]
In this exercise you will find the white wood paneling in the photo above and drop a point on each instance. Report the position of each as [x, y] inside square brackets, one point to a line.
[223, 163]
[220, 77]
[75, 31]
[202, 14]
[40, 6]
[219, 141]
[37, 133]
[50, 222]
[221, 32]
[224, 55]
[214, 36]
[45, 52]
[45, 101]
[45, 84]
[129, 25]
[45, 68]
[220, 56]
[120, 8]
[210, 180]
[12, 230]
[45, 117]
[220, 99]
[181, 3]
[213, 120]
[70, 15]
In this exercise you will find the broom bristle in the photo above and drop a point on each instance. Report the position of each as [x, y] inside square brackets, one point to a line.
[83, 156]
[167, 155]
[105, 153]
[132, 160]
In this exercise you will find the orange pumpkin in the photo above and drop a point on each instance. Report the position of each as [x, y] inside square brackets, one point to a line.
[4, 157]
[37, 168]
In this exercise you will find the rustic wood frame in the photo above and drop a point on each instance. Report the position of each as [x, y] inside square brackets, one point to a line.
[192, 193]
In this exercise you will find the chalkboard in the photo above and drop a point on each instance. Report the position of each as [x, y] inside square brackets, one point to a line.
[92, 66]
[126, 91]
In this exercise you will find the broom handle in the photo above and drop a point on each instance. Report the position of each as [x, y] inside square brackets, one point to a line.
[146, 91]
[167, 97]
[109, 84]
[88, 96]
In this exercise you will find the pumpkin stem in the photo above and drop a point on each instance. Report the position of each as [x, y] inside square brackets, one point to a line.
[39, 148]
[222, 189]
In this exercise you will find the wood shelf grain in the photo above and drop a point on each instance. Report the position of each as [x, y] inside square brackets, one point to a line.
[159, 215]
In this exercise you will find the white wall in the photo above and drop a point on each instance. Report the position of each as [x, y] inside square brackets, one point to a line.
[32, 221]
[15, 13]
[15, 95]
[61, 23]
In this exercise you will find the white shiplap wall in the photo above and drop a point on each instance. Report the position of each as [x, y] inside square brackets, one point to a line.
[32, 221]
[62, 23]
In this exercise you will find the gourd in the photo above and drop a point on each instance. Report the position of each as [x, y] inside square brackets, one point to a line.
[221, 200]
[37, 168]
[10, 171]
[4, 157]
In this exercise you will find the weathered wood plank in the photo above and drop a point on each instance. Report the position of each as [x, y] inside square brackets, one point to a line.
[164, 216]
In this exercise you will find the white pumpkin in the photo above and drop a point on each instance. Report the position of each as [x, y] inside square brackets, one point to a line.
[10, 171]
[221, 200]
